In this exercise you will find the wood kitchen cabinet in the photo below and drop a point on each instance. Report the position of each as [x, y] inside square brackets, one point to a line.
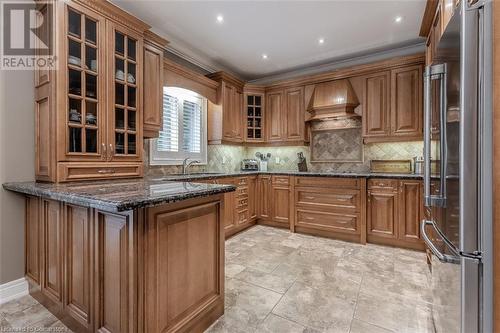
[285, 115]
[89, 113]
[394, 211]
[255, 114]
[102, 271]
[154, 47]
[376, 108]
[230, 97]
[330, 207]
[393, 105]
[281, 201]
[264, 189]
[275, 122]
[275, 201]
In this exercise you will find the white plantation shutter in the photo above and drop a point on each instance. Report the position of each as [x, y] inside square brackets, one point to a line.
[184, 128]
[168, 139]
[191, 127]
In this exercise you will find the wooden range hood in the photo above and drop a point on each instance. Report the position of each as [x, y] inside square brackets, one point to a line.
[333, 100]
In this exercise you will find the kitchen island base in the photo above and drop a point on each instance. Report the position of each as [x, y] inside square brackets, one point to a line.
[152, 269]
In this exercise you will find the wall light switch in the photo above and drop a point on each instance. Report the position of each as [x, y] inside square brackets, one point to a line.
[223, 159]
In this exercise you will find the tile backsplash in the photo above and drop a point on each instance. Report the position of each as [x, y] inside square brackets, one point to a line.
[227, 158]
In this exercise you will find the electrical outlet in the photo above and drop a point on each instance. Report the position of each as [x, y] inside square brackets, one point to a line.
[223, 159]
[277, 160]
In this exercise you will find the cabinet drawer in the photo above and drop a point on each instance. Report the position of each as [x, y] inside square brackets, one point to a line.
[330, 199]
[383, 184]
[340, 222]
[328, 182]
[242, 203]
[73, 171]
[242, 191]
[242, 181]
[281, 180]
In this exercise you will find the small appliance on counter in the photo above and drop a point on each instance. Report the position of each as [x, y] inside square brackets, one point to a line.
[263, 160]
[418, 165]
[249, 165]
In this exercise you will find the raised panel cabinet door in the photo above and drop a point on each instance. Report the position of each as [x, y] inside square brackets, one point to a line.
[409, 210]
[275, 122]
[281, 204]
[382, 214]
[252, 197]
[406, 101]
[265, 197]
[228, 118]
[52, 250]
[114, 245]
[78, 264]
[184, 266]
[238, 115]
[294, 113]
[33, 232]
[153, 90]
[376, 107]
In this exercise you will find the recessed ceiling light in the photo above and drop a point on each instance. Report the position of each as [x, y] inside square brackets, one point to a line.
[264, 56]
[321, 41]
[220, 18]
[398, 19]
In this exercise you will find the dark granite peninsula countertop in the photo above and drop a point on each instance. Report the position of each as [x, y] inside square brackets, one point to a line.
[215, 175]
[119, 195]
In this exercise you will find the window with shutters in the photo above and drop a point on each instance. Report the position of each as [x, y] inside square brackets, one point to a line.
[184, 132]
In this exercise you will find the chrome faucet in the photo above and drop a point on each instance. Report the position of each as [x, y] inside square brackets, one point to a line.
[186, 165]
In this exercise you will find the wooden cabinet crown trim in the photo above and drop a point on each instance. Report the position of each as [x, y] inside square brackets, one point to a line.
[430, 10]
[189, 74]
[116, 14]
[351, 71]
[223, 76]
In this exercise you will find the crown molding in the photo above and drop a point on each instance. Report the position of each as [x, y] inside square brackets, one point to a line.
[348, 61]
[194, 61]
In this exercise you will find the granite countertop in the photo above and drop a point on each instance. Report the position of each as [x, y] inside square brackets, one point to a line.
[119, 195]
[215, 175]
[128, 194]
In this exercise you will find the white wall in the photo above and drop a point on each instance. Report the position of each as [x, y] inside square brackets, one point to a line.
[17, 155]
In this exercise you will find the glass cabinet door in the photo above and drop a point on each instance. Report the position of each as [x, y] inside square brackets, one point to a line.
[84, 71]
[126, 63]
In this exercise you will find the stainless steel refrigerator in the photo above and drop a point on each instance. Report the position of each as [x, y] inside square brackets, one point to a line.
[458, 192]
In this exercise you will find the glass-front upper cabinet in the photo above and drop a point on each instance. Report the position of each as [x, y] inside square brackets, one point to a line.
[125, 62]
[254, 117]
[84, 76]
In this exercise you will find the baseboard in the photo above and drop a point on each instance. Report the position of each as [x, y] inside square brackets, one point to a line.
[13, 289]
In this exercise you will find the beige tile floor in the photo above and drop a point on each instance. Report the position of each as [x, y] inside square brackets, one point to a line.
[277, 282]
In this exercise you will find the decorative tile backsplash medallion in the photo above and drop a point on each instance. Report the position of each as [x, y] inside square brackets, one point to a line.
[341, 145]
[227, 158]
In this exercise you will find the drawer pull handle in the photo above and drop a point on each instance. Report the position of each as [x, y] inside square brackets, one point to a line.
[106, 171]
[309, 218]
[310, 198]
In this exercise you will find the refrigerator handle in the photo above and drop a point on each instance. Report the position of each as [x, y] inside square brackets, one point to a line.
[443, 144]
[427, 136]
[446, 258]
[435, 72]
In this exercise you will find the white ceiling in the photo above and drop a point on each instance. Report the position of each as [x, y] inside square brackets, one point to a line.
[287, 31]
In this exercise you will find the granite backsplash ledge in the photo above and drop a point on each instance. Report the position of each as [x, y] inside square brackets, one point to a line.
[227, 158]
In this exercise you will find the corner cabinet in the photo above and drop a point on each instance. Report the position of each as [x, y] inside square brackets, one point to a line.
[89, 110]
[230, 98]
